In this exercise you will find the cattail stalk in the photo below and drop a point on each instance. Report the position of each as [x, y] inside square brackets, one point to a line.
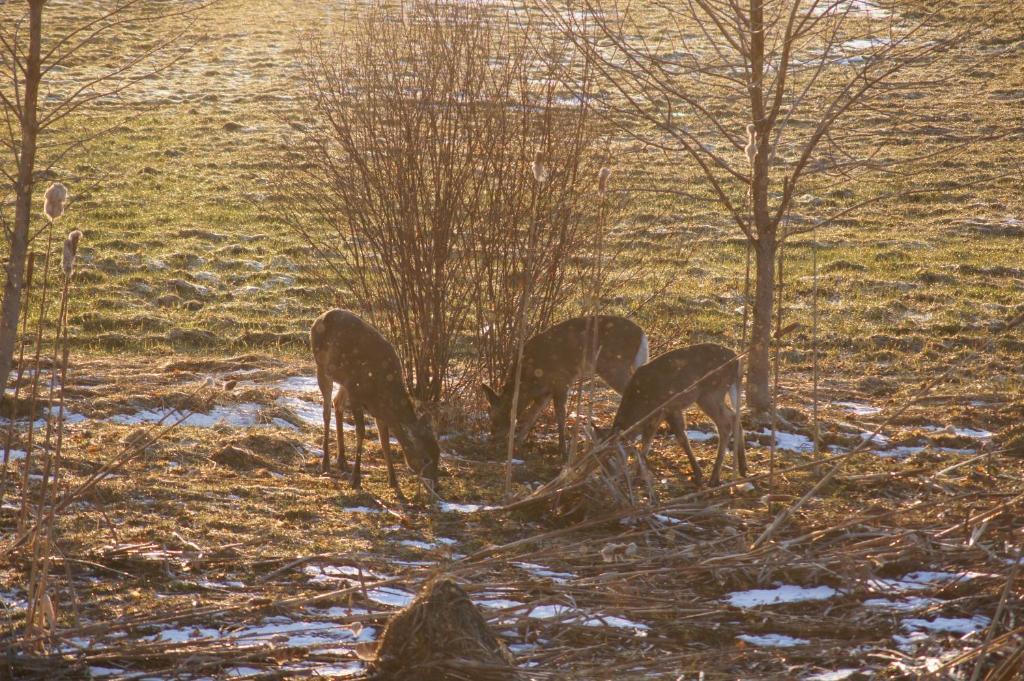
[36, 586]
[39, 601]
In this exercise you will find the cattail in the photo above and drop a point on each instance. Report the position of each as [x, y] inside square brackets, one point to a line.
[751, 147]
[540, 172]
[602, 179]
[54, 198]
[67, 261]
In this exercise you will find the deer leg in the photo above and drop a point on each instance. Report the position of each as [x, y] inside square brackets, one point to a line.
[530, 416]
[326, 387]
[677, 423]
[385, 447]
[561, 397]
[714, 406]
[740, 445]
[360, 419]
[339, 420]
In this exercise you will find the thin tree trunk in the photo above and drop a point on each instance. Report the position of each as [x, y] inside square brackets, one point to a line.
[766, 246]
[759, 364]
[11, 306]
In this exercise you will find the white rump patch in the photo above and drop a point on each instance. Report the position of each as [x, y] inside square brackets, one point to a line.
[643, 353]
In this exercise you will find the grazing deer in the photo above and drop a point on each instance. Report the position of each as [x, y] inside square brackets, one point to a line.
[664, 387]
[553, 360]
[353, 354]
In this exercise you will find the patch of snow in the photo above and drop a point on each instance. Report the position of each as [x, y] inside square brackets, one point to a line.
[451, 507]
[908, 604]
[389, 595]
[915, 581]
[361, 509]
[322, 574]
[15, 455]
[330, 671]
[973, 433]
[950, 625]
[877, 438]
[837, 675]
[862, 44]
[858, 408]
[298, 384]
[700, 436]
[541, 571]
[186, 634]
[772, 640]
[786, 593]
[789, 441]
[243, 415]
[556, 611]
[498, 603]
[417, 544]
[301, 633]
[308, 412]
[12, 600]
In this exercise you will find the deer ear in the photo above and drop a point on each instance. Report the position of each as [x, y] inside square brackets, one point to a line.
[492, 397]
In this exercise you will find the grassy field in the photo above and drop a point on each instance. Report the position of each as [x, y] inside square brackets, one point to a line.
[221, 551]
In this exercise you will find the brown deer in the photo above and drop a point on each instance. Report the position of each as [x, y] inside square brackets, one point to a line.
[664, 387]
[553, 360]
[353, 354]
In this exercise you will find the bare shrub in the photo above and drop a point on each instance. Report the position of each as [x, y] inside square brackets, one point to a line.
[417, 192]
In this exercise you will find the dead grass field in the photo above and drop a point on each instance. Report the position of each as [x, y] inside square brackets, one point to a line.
[220, 551]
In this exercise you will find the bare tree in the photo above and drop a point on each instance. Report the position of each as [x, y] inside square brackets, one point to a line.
[768, 96]
[59, 58]
[417, 193]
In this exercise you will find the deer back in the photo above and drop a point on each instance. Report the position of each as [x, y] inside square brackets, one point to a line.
[559, 355]
[675, 380]
[354, 354]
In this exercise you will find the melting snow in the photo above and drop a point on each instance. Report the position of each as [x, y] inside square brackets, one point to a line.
[451, 507]
[772, 640]
[428, 545]
[498, 603]
[322, 574]
[298, 384]
[243, 415]
[541, 571]
[837, 675]
[787, 593]
[915, 581]
[279, 629]
[699, 436]
[15, 455]
[904, 605]
[544, 612]
[951, 625]
[858, 408]
[790, 441]
[973, 433]
[389, 595]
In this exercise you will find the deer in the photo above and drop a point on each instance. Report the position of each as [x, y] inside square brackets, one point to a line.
[663, 388]
[555, 359]
[354, 355]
